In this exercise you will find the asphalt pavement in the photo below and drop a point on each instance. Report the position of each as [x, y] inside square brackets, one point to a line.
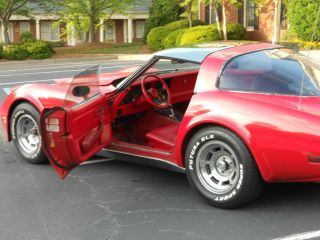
[122, 201]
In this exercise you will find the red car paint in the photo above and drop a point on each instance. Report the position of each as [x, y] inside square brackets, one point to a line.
[282, 136]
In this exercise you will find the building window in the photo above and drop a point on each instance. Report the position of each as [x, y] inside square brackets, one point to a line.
[241, 15]
[252, 18]
[24, 27]
[207, 14]
[50, 31]
[140, 29]
[109, 33]
[283, 17]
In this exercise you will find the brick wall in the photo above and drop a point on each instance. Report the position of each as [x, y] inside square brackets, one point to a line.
[266, 24]
[266, 20]
[119, 31]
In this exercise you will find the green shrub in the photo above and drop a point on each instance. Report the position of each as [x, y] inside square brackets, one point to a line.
[39, 50]
[174, 38]
[1, 51]
[302, 15]
[155, 39]
[156, 36]
[200, 34]
[15, 52]
[235, 31]
[56, 44]
[157, 18]
[27, 37]
[184, 23]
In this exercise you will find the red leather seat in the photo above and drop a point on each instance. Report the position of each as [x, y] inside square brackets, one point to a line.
[163, 137]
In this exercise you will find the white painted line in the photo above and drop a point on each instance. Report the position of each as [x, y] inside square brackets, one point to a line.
[6, 90]
[52, 66]
[301, 236]
[97, 161]
[75, 70]
[25, 82]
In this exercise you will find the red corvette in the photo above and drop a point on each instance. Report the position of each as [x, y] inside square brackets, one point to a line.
[232, 118]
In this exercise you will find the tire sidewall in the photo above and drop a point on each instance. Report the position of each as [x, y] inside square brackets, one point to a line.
[21, 110]
[191, 159]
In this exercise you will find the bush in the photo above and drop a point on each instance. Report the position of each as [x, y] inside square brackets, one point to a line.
[174, 38]
[15, 52]
[200, 34]
[56, 44]
[155, 39]
[302, 16]
[1, 51]
[34, 50]
[39, 50]
[184, 23]
[171, 8]
[27, 37]
[235, 31]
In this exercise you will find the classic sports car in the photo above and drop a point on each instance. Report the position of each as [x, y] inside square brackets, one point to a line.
[232, 118]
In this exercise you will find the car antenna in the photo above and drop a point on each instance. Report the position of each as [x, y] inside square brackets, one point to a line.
[309, 50]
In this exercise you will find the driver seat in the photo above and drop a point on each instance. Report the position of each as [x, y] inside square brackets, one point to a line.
[164, 137]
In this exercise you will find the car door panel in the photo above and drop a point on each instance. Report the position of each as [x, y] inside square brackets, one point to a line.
[72, 135]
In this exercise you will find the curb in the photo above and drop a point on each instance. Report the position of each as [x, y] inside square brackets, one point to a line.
[313, 54]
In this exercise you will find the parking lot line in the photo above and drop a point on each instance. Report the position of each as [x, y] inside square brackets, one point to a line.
[24, 82]
[62, 71]
[54, 66]
[6, 90]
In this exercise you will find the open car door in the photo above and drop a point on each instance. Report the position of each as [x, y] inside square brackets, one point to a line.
[81, 127]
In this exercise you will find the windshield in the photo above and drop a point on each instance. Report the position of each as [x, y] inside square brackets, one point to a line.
[160, 66]
[83, 86]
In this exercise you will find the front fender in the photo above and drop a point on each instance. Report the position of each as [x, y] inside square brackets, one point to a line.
[41, 96]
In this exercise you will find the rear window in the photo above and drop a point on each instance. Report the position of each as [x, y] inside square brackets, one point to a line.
[277, 71]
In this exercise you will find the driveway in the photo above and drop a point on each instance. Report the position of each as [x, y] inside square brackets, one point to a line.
[111, 199]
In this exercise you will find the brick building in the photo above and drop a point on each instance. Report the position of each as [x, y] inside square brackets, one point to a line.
[266, 26]
[120, 28]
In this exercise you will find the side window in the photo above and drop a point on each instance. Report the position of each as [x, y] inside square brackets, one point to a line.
[270, 71]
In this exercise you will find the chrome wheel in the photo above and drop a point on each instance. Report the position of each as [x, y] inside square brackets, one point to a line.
[28, 135]
[218, 167]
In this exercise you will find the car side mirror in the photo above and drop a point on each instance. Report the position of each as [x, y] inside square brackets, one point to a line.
[81, 91]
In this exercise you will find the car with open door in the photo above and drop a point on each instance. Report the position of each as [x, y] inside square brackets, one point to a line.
[231, 118]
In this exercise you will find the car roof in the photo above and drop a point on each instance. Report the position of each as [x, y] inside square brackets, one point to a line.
[189, 54]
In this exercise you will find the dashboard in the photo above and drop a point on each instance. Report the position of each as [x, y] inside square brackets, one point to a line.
[132, 101]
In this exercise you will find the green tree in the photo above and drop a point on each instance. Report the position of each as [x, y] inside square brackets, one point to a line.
[7, 9]
[163, 12]
[302, 15]
[190, 9]
[85, 15]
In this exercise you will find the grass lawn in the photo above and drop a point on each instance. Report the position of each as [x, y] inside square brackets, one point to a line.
[103, 48]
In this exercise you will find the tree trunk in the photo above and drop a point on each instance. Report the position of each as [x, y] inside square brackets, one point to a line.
[224, 16]
[92, 28]
[216, 14]
[4, 32]
[189, 10]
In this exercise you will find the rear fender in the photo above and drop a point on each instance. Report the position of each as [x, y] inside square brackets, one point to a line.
[189, 127]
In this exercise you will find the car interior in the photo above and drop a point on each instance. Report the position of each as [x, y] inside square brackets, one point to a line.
[149, 112]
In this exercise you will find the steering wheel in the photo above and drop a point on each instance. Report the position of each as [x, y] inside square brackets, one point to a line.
[159, 98]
